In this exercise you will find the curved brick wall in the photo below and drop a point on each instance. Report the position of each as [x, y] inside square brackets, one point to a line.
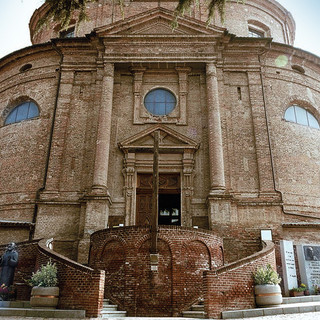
[261, 13]
[184, 253]
[81, 288]
[231, 287]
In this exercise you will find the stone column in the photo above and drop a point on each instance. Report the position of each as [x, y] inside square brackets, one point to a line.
[217, 180]
[101, 163]
[95, 214]
[129, 174]
[187, 187]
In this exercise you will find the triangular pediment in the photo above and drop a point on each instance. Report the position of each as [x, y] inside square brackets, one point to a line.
[170, 140]
[158, 21]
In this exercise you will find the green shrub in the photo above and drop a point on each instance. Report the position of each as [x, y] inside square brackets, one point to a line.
[266, 275]
[301, 288]
[46, 276]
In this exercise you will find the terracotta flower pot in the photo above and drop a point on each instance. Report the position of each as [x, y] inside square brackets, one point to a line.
[44, 297]
[294, 293]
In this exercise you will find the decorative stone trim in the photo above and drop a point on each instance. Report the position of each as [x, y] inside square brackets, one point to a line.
[141, 86]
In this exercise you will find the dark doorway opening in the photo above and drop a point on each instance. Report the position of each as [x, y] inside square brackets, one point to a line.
[169, 199]
[169, 209]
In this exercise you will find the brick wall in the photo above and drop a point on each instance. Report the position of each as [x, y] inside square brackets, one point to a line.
[184, 253]
[231, 287]
[80, 287]
[104, 13]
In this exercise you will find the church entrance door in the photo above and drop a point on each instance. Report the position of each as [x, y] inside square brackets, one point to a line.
[169, 212]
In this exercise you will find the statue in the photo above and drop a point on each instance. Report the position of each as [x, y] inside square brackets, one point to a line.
[8, 263]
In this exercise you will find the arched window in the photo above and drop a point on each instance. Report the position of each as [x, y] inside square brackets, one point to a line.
[25, 110]
[300, 115]
[257, 29]
[160, 101]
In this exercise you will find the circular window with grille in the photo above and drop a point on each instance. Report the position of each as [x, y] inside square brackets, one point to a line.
[160, 102]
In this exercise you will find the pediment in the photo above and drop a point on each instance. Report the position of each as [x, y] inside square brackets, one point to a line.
[170, 141]
[158, 21]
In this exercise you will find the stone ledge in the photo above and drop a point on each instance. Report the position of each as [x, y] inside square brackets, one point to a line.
[288, 308]
[43, 313]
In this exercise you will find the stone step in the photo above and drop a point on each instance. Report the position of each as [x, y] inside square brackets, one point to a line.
[197, 307]
[15, 304]
[312, 298]
[42, 313]
[193, 314]
[110, 307]
[113, 314]
[287, 308]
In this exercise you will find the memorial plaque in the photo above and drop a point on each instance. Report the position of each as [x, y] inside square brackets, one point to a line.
[309, 265]
[288, 266]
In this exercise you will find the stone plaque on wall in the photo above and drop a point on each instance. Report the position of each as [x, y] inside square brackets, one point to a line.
[309, 264]
[288, 266]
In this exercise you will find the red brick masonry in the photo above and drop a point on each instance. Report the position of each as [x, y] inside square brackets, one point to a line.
[80, 287]
[189, 268]
[231, 287]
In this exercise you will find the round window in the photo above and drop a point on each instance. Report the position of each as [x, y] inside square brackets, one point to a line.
[160, 102]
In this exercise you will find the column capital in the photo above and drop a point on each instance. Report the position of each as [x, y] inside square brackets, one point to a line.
[108, 69]
[211, 69]
[137, 69]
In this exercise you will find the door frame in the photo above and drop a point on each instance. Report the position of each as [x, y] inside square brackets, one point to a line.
[176, 155]
[144, 187]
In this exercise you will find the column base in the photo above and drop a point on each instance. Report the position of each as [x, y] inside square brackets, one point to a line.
[95, 216]
[217, 191]
[99, 190]
[220, 208]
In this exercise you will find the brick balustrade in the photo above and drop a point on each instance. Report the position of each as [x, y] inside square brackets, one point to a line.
[190, 266]
[80, 287]
[231, 287]
[184, 253]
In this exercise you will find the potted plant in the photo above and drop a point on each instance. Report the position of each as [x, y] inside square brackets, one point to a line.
[267, 289]
[45, 293]
[316, 289]
[298, 292]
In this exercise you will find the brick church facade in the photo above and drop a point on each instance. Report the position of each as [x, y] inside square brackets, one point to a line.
[237, 108]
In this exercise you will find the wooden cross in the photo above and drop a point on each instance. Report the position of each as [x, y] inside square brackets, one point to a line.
[155, 194]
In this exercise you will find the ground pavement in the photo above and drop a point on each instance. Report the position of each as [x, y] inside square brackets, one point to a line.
[297, 316]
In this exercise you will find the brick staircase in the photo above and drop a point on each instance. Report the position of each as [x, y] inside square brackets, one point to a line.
[196, 311]
[111, 310]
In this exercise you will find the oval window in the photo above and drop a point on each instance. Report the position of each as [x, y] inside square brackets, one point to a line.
[160, 102]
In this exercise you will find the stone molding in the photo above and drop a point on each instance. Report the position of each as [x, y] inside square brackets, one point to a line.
[171, 142]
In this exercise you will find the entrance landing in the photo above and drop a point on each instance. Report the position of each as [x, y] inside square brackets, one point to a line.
[289, 306]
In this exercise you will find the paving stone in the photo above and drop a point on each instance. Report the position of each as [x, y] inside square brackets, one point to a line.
[273, 311]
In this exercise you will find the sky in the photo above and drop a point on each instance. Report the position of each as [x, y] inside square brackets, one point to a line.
[15, 16]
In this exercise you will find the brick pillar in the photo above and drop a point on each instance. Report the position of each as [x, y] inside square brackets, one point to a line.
[217, 180]
[95, 212]
[264, 161]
